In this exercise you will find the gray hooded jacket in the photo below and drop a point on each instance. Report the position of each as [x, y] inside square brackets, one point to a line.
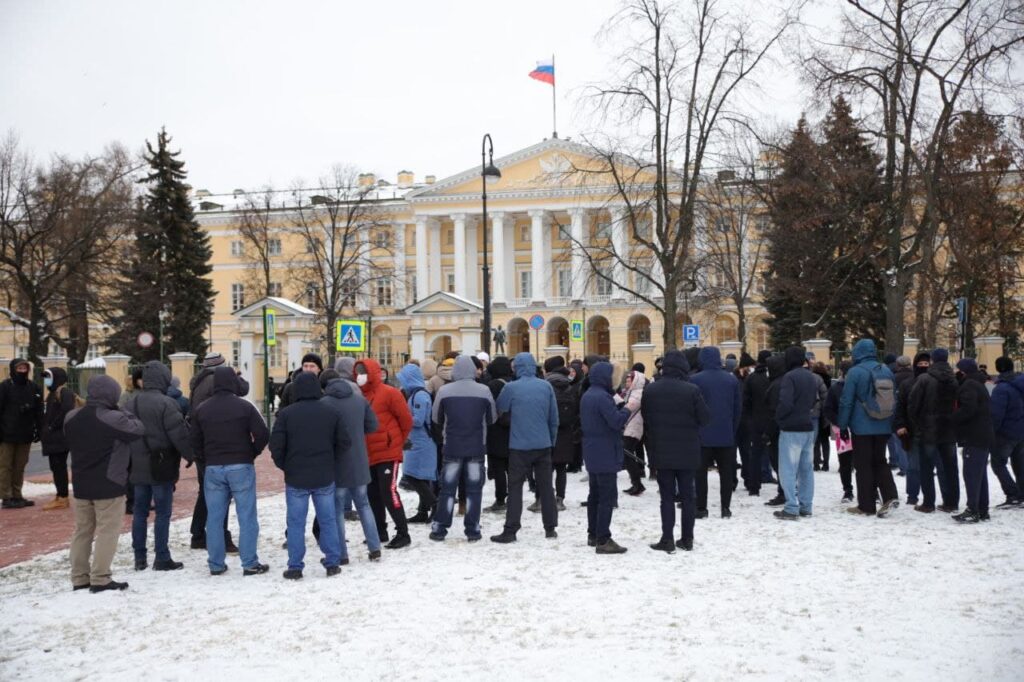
[165, 426]
[353, 469]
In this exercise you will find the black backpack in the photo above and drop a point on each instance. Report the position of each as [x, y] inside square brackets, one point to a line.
[568, 408]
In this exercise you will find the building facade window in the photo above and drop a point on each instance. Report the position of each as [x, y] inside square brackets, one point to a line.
[274, 247]
[384, 291]
[349, 290]
[236, 353]
[411, 287]
[237, 297]
[603, 230]
[275, 289]
[525, 233]
[382, 239]
[237, 250]
[525, 284]
[565, 282]
[602, 283]
[449, 282]
[311, 296]
[93, 352]
[383, 343]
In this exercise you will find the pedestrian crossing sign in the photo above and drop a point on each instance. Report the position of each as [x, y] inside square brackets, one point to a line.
[576, 330]
[351, 335]
[271, 327]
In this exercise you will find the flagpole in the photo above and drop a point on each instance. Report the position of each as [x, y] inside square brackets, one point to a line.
[554, 115]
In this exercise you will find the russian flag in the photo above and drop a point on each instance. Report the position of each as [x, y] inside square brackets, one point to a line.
[545, 72]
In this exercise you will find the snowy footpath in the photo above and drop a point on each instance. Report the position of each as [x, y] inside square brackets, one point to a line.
[833, 597]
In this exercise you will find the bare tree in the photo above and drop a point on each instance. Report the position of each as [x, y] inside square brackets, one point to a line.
[681, 80]
[347, 248]
[914, 66]
[730, 240]
[261, 239]
[60, 225]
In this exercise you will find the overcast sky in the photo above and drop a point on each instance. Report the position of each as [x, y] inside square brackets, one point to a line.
[266, 92]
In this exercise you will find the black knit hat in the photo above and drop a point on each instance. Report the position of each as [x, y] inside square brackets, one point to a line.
[553, 363]
[1004, 364]
[639, 367]
[314, 358]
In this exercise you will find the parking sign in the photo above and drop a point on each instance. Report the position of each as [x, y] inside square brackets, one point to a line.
[691, 333]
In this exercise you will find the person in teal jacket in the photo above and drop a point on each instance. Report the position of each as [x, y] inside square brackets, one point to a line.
[870, 435]
[421, 451]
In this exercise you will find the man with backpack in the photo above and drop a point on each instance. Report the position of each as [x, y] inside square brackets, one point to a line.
[463, 409]
[420, 457]
[866, 410]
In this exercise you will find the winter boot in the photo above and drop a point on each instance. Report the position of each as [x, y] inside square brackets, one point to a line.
[888, 508]
[686, 545]
[293, 574]
[504, 538]
[783, 515]
[258, 569]
[968, 516]
[535, 507]
[112, 585]
[56, 503]
[498, 507]
[776, 501]
[169, 565]
[560, 504]
[665, 545]
[401, 540]
[422, 516]
[610, 547]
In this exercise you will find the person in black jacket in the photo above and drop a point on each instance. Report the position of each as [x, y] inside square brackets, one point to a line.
[898, 456]
[99, 435]
[975, 432]
[776, 370]
[798, 394]
[673, 411]
[497, 435]
[564, 451]
[308, 443]
[932, 402]
[21, 424]
[59, 401]
[830, 411]
[227, 434]
[759, 419]
[904, 429]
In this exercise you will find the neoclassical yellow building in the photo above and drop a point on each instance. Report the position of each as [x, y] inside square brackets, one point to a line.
[428, 299]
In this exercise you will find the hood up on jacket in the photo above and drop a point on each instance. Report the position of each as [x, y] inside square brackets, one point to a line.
[776, 367]
[526, 366]
[307, 386]
[60, 377]
[103, 391]
[762, 358]
[373, 374]
[429, 368]
[444, 370]
[710, 358]
[344, 367]
[600, 375]
[639, 381]
[693, 358]
[464, 369]
[1018, 383]
[795, 357]
[15, 376]
[500, 368]
[411, 377]
[864, 350]
[338, 388]
[942, 372]
[156, 376]
[675, 365]
[224, 379]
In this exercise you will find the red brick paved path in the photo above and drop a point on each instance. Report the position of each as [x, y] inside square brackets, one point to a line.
[29, 532]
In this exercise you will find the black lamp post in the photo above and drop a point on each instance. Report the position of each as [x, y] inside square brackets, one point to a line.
[487, 169]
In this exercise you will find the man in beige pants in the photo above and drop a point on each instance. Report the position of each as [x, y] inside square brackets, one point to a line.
[98, 436]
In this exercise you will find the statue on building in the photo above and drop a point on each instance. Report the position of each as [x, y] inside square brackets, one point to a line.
[499, 339]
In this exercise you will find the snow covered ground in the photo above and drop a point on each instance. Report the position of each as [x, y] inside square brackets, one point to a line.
[833, 597]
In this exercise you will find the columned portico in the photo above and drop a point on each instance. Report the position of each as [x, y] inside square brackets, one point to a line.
[459, 222]
[422, 260]
[498, 250]
[538, 268]
[578, 218]
[620, 245]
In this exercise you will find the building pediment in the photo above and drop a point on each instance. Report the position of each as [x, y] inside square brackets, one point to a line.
[283, 307]
[444, 303]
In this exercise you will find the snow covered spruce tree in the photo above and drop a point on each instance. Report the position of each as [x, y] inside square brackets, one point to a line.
[166, 267]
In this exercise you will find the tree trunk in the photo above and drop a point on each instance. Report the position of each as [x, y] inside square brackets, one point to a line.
[896, 289]
[669, 314]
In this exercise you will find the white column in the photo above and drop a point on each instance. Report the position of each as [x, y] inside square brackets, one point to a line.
[435, 255]
[498, 295]
[422, 261]
[472, 259]
[398, 280]
[365, 298]
[538, 235]
[577, 225]
[418, 344]
[511, 283]
[459, 220]
[620, 244]
[245, 356]
[295, 349]
[470, 340]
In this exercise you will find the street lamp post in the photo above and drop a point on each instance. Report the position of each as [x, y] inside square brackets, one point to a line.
[487, 169]
[162, 315]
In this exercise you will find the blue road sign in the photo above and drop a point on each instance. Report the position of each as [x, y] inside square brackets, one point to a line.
[351, 335]
[691, 333]
[536, 323]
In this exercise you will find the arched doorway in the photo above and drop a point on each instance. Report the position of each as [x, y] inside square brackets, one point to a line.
[440, 346]
[639, 329]
[518, 336]
[598, 336]
[558, 332]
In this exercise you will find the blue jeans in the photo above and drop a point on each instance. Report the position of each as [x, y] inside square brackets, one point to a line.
[161, 495]
[796, 469]
[897, 455]
[297, 501]
[343, 500]
[220, 484]
[1011, 451]
[914, 471]
[451, 471]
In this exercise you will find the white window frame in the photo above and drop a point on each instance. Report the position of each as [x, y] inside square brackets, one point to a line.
[384, 292]
[274, 247]
[237, 296]
[525, 283]
[276, 289]
[237, 248]
[602, 286]
[564, 283]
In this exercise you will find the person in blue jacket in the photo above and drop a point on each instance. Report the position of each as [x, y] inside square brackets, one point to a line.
[420, 457]
[870, 435]
[533, 429]
[1008, 421]
[724, 397]
[602, 422]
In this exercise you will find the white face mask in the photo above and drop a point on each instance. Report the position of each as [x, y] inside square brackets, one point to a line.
[361, 379]
[48, 382]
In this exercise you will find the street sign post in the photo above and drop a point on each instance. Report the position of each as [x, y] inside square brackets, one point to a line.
[271, 316]
[536, 324]
[350, 336]
[576, 330]
[691, 334]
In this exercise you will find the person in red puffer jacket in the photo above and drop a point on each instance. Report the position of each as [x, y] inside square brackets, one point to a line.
[384, 447]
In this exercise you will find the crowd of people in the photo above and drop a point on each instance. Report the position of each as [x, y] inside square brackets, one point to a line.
[350, 442]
